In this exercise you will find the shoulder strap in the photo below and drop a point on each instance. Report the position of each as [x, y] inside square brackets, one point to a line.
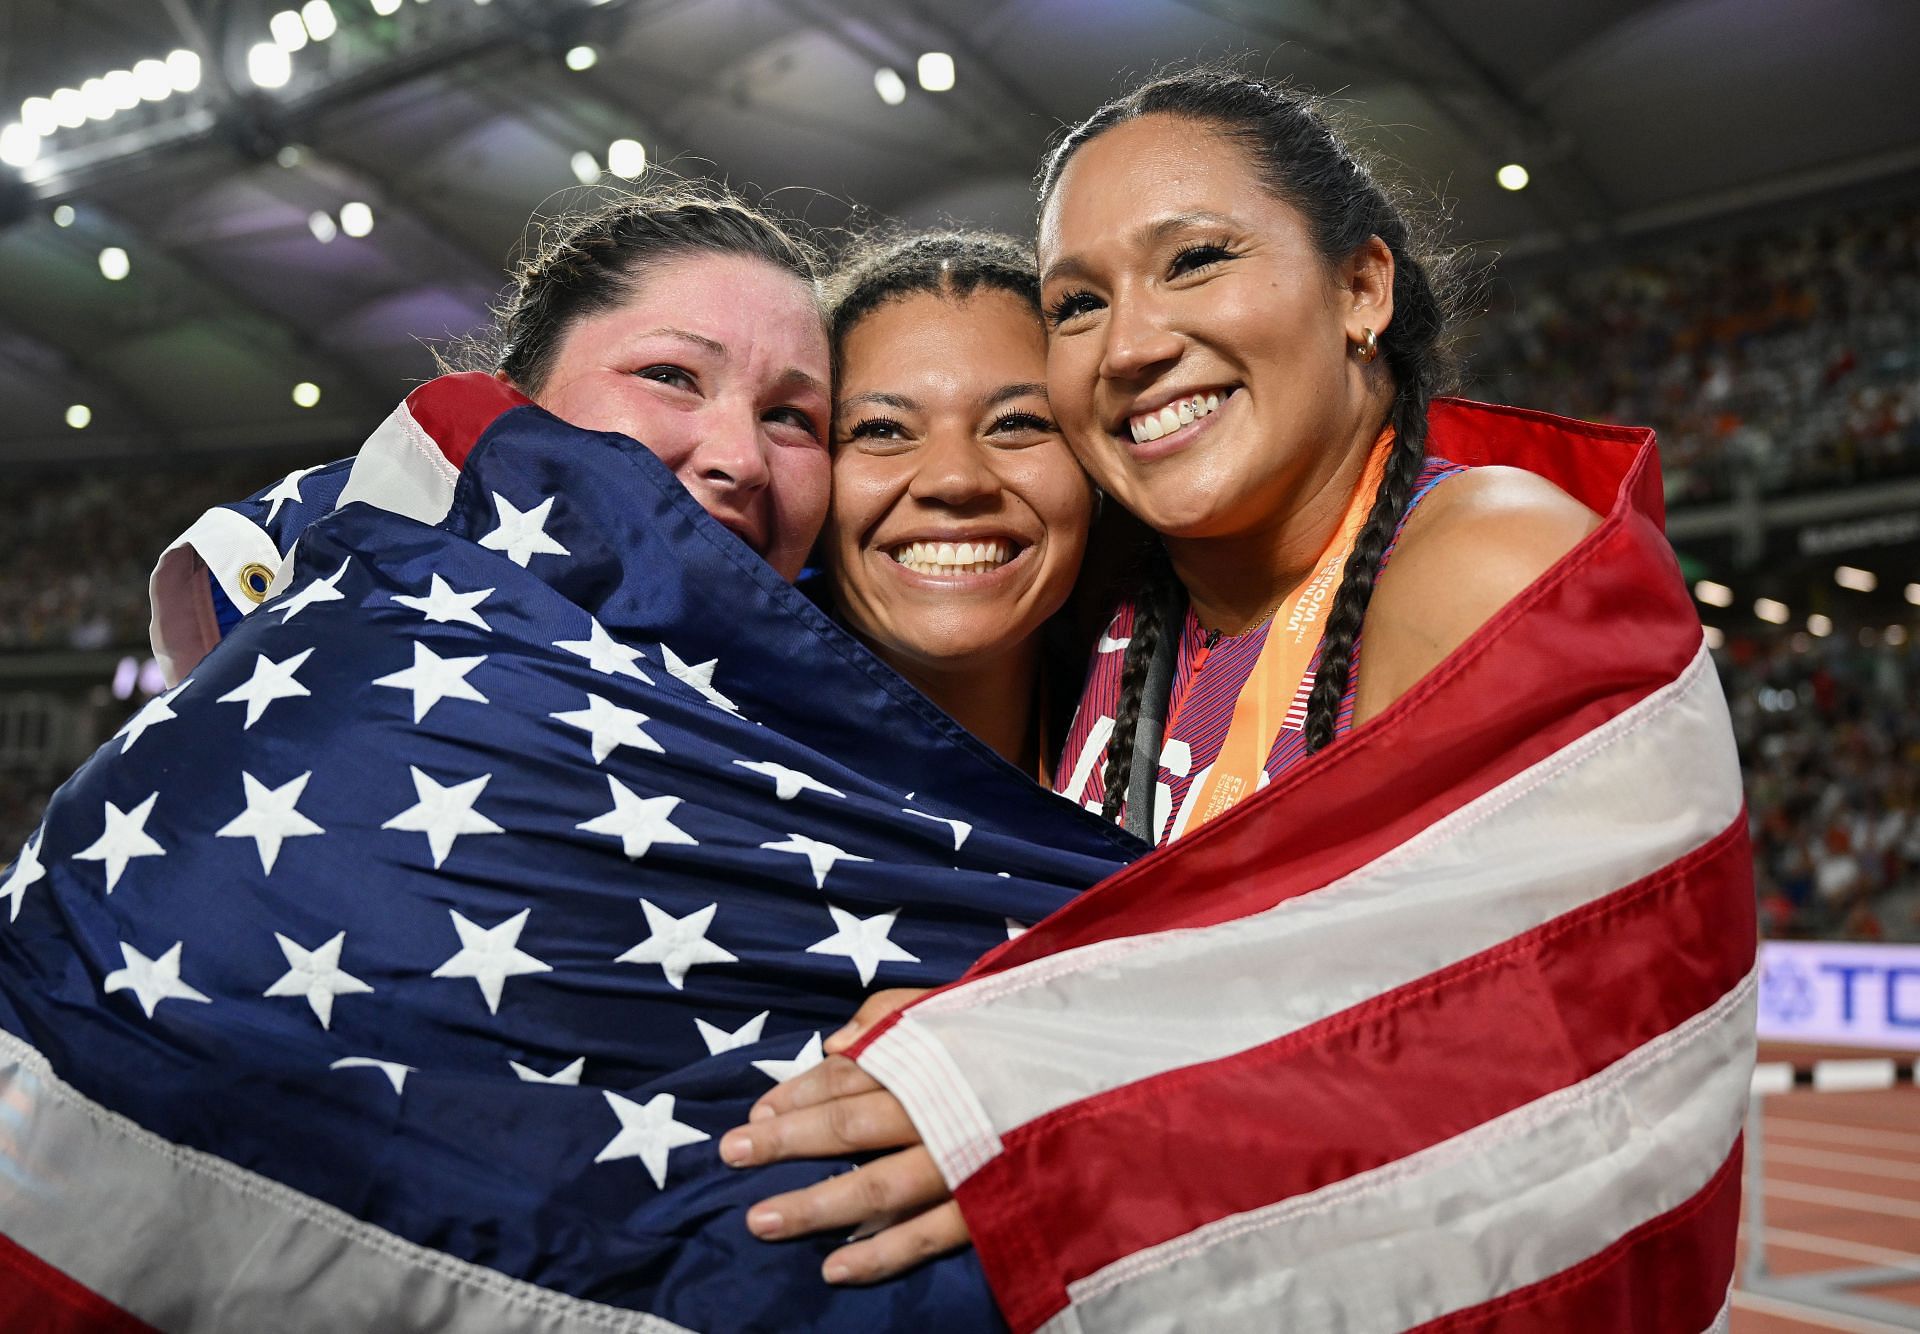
[1152, 727]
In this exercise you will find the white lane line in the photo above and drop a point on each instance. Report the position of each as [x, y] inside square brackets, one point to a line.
[1752, 1301]
[1845, 1199]
[1885, 1168]
[1827, 1132]
[1812, 1243]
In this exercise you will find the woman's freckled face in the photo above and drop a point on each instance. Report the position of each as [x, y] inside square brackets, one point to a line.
[719, 365]
[959, 517]
[1173, 272]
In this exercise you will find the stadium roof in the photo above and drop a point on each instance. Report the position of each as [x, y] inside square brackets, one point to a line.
[452, 121]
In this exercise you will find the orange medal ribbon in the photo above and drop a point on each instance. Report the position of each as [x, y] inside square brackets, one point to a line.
[1275, 694]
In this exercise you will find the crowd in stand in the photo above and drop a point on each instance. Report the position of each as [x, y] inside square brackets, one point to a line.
[1787, 359]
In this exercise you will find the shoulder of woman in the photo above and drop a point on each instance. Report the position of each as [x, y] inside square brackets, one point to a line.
[1476, 540]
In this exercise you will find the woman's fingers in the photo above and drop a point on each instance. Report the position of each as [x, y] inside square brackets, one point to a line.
[835, 1077]
[899, 1248]
[855, 1123]
[885, 1189]
[876, 1007]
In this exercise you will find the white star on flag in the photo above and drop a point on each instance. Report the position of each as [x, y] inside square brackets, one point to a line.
[151, 980]
[788, 783]
[443, 605]
[610, 727]
[125, 838]
[820, 856]
[155, 711]
[317, 590]
[638, 822]
[287, 489]
[522, 534]
[647, 1132]
[566, 1074]
[270, 819]
[490, 955]
[26, 871]
[700, 677]
[316, 976]
[719, 1040]
[1015, 930]
[270, 681]
[781, 1071]
[395, 1072]
[677, 943]
[444, 813]
[604, 653]
[864, 941]
[960, 827]
[433, 678]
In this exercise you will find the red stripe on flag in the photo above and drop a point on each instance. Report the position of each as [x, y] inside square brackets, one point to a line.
[456, 410]
[1607, 626]
[36, 1298]
[1668, 1276]
[1078, 1189]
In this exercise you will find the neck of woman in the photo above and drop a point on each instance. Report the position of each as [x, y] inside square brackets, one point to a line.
[1236, 582]
[992, 696]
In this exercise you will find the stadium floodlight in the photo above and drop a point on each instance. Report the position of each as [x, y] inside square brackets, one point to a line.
[1913, 594]
[1819, 626]
[69, 108]
[582, 58]
[153, 80]
[1715, 637]
[936, 71]
[1896, 635]
[289, 33]
[268, 65]
[63, 215]
[1857, 579]
[38, 115]
[183, 67]
[18, 145]
[98, 101]
[123, 88]
[586, 167]
[114, 264]
[386, 7]
[1513, 176]
[356, 218]
[1768, 609]
[322, 225]
[891, 87]
[1713, 594]
[318, 17]
[79, 416]
[306, 394]
[626, 158]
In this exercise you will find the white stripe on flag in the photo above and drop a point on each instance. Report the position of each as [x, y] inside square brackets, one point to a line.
[1510, 1203]
[401, 470]
[186, 1240]
[1611, 808]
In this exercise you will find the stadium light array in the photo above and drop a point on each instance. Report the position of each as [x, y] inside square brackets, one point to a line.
[63, 215]
[1713, 594]
[19, 146]
[184, 66]
[97, 100]
[38, 115]
[1857, 579]
[114, 264]
[891, 87]
[1767, 609]
[289, 33]
[356, 218]
[936, 71]
[626, 158]
[586, 167]
[318, 18]
[79, 416]
[306, 394]
[1513, 176]
[154, 80]
[1819, 626]
[1896, 635]
[123, 88]
[582, 58]
[321, 224]
[1913, 594]
[268, 65]
[386, 7]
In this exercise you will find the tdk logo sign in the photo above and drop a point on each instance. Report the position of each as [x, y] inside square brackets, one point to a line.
[1860, 995]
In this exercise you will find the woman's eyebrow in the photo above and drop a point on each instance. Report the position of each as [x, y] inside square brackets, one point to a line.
[1145, 237]
[712, 345]
[881, 398]
[1007, 392]
[793, 376]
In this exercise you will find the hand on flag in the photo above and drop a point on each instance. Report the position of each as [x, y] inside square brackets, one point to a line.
[898, 1207]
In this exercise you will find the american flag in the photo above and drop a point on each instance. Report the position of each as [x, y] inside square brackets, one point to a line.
[1450, 1028]
[400, 968]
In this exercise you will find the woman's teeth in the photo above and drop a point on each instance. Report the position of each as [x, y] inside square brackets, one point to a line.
[1152, 425]
[953, 557]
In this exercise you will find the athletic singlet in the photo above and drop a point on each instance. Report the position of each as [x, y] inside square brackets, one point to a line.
[1202, 701]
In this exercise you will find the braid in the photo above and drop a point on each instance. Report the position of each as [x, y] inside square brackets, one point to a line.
[1149, 623]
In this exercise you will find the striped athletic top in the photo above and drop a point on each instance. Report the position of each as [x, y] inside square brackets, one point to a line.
[1208, 698]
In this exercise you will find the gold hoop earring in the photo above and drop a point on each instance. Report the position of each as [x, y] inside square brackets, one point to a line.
[1367, 348]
